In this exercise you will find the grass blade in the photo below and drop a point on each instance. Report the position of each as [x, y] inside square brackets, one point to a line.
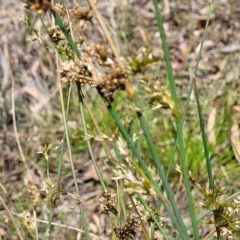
[178, 119]
[201, 120]
[181, 230]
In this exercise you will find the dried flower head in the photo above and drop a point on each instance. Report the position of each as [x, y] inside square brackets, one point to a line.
[56, 34]
[155, 212]
[38, 6]
[117, 80]
[76, 198]
[35, 34]
[225, 233]
[46, 187]
[157, 95]
[102, 52]
[129, 229]
[142, 61]
[107, 203]
[59, 8]
[28, 221]
[76, 71]
[224, 212]
[46, 150]
[82, 13]
[134, 179]
[35, 194]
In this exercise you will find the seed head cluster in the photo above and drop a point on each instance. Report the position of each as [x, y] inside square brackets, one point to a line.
[76, 197]
[129, 229]
[28, 221]
[224, 215]
[117, 80]
[76, 71]
[56, 34]
[105, 75]
[38, 6]
[82, 13]
[107, 203]
[101, 52]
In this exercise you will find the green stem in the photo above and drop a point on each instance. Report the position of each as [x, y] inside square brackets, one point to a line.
[204, 137]
[60, 162]
[181, 230]
[89, 146]
[157, 162]
[152, 216]
[178, 119]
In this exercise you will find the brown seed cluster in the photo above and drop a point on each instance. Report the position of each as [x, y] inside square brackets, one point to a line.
[76, 198]
[82, 13]
[102, 52]
[35, 194]
[129, 229]
[107, 203]
[28, 221]
[117, 80]
[60, 9]
[87, 69]
[38, 6]
[76, 71]
[56, 34]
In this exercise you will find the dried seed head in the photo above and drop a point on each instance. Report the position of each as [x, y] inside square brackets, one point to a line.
[157, 95]
[156, 214]
[102, 52]
[82, 13]
[225, 233]
[134, 181]
[60, 9]
[76, 71]
[76, 198]
[34, 193]
[56, 34]
[107, 203]
[129, 229]
[38, 6]
[28, 221]
[117, 80]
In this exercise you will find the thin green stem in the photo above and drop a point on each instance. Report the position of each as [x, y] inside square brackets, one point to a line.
[152, 216]
[178, 119]
[142, 164]
[72, 167]
[157, 162]
[60, 159]
[89, 146]
[204, 137]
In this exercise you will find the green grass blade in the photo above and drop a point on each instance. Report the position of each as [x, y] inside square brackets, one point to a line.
[60, 163]
[74, 47]
[89, 145]
[178, 119]
[152, 216]
[159, 167]
[72, 166]
[181, 230]
[201, 120]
